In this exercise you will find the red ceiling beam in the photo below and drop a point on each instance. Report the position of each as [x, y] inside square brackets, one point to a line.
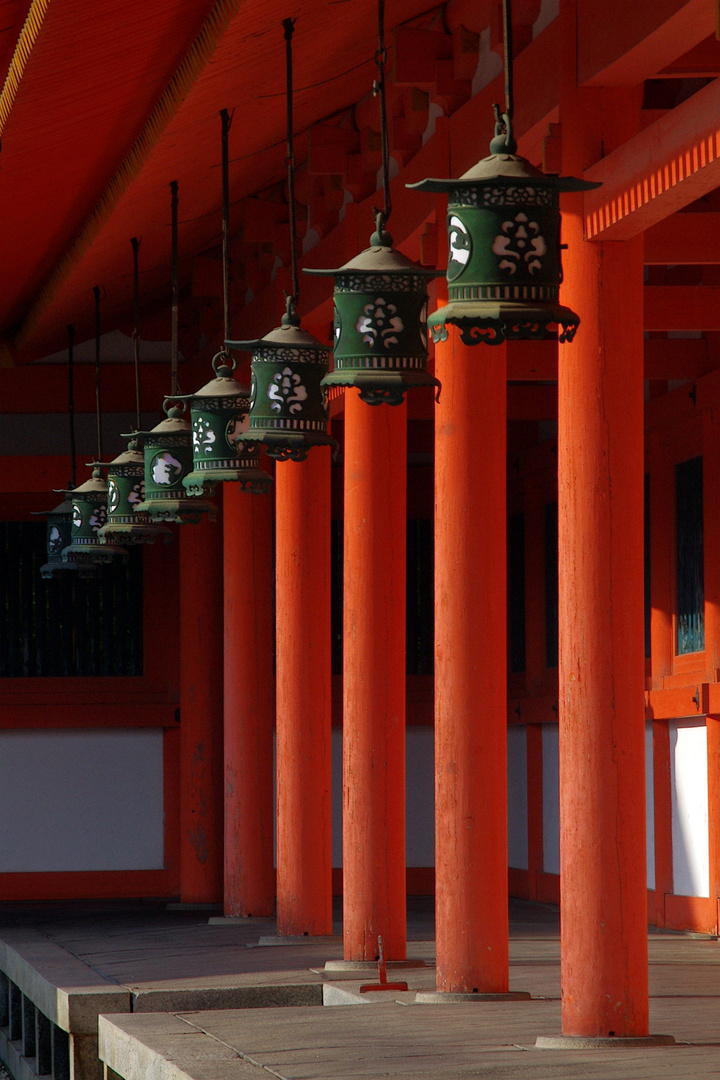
[621, 43]
[670, 164]
[684, 239]
[682, 307]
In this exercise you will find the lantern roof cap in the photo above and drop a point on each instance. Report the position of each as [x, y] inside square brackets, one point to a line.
[505, 169]
[173, 424]
[224, 384]
[380, 259]
[96, 485]
[65, 507]
[287, 336]
[132, 456]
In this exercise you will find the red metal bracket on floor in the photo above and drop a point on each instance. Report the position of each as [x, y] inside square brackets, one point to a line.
[382, 975]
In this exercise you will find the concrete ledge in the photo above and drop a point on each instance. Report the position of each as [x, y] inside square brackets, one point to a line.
[64, 989]
[597, 1042]
[163, 1047]
[372, 965]
[180, 999]
[440, 997]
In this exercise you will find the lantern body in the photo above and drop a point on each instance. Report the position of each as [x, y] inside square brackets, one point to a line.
[288, 404]
[380, 323]
[58, 538]
[88, 515]
[167, 460]
[504, 265]
[219, 421]
[126, 490]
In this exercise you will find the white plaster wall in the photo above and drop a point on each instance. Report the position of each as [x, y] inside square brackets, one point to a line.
[81, 800]
[688, 772]
[551, 798]
[649, 807]
[517, 796]
[419, 796]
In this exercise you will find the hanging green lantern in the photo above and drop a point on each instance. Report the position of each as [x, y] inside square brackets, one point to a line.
[504, 269]
[219, 420]
[58, 538]
[380, 322]
[168, 459]
[288, 404]
[88, 515]
[126, 490]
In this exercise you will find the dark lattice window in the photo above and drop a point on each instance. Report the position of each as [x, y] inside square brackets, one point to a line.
[420, 611]
[336, 594]
[690, 576]
[516, 592]
[648, 601]
[420, 600]
[551, 585]
[66, 626]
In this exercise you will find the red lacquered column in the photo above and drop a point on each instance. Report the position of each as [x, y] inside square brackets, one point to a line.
[249, 703]
[304, 838]
[374, 679]
[201, 713]
[470, 669]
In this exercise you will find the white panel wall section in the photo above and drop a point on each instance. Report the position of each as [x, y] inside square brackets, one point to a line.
[689, 786]
[551, 798]
[81, 799]
[419, 798]
[649, 807]
[517, 797]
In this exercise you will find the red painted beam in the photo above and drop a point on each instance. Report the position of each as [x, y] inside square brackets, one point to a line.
[637, 40]
[665, 167]
[684, 239]
[682, 307]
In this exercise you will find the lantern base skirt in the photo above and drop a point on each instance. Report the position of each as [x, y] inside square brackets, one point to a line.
[379, 387]
[203, 482]
[289, 445]
[182, 511]
[490, 322]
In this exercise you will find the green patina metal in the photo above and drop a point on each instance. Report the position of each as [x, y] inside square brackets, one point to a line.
[380, 323]
[167, 460]
[57, 539]
[126, 491]
[288, 403]
[219, 420]
[505, 267]
[88, 515]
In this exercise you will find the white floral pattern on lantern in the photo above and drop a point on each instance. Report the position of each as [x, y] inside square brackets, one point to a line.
[520, 241]
[287, 389]
[98, 517]
[380, 320]
[137, 493]
[76, 516]
[113, 496]
[55, 540]
[203, 436]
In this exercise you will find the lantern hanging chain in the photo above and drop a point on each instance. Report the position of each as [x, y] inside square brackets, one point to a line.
[226, 119]
[136, 326]
[504, 141]
[174, 385]
[508, 57]
[379, 91]
[292, 301]
[71, 403]
[98, 408]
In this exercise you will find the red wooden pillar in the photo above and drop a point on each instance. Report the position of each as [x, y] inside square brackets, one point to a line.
[601, 669]
[249, 703]
[374, 679]
[201, 712]
[471, 902]
[304, 822]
